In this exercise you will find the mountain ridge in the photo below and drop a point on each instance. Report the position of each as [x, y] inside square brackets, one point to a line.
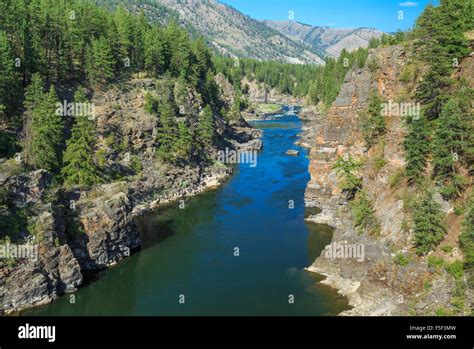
[228, 30]
[325, 40]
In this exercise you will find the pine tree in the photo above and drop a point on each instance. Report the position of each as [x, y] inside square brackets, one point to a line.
[234, 112]
[183, 143]
[100, 66]
[203, 58]
[180, 50]
[440, 40]
[373, 122]
[429, 227]
[154, 54]
[8, 78]
[431, 91]
[167, 131]
[206, 128]
[123, 24]
[33, 95]
[417, 148]
[34, 92]
[79, 167]
[47, 129]
[210, 92]
[449, 141]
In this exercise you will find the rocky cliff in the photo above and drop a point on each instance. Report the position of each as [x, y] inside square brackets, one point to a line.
[378, 283]
[81, 230]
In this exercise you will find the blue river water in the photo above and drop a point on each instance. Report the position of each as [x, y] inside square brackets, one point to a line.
[239, 250]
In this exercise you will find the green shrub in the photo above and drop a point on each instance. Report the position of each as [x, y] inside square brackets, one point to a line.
[136, 164]
[372, 65]
[101, 157]
[435, 262]
[443, 312]
[379, 163]
[401, 259]
[396, 178]
[456, 269]
[363, 211]
[447, 249]
[346, 169]
[109, 140]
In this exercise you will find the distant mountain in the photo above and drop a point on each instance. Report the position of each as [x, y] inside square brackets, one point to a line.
[228, 30]
[324, 40]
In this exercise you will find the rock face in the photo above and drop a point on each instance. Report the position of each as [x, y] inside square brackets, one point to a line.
[292, 152]
[76, 231]
[375, 284]
[51, 268]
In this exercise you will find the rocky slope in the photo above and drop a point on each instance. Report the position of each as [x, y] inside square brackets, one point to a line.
[324, 40]
[82, 230]
[377, 284]
[229, 31]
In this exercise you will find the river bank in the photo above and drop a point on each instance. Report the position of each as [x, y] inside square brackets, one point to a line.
[106, 214]
[224, 251]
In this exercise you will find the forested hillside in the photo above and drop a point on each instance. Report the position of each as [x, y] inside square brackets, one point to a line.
[229, 31]
[60, 55]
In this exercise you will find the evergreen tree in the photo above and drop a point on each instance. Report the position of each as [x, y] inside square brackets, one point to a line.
[203, 59]
[8, 78]
[373, 122]
[440, 40]
[123, 22]
[417, 148]
[101, 62]
[210, 92]
[33, 96]
[346, 169]
[34, 92]
[47, 129]
[449, 141]
[183, 143]
[364, 214]
[181, 54]
[429, 227]
[234, 112]
[154, 55]
[431, 91]
[79, 167]
[206, 128]
[167, 130]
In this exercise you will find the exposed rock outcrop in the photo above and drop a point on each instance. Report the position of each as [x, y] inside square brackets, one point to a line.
[79, 230]
[375, 285]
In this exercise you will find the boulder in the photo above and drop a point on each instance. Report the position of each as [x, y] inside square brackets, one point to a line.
[292, 152]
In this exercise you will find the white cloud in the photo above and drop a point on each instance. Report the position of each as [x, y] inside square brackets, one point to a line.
[408, 4]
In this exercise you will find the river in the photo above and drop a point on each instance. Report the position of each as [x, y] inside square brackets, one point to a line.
[240, 250]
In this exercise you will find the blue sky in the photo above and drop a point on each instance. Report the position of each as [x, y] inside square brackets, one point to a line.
[380, 14]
